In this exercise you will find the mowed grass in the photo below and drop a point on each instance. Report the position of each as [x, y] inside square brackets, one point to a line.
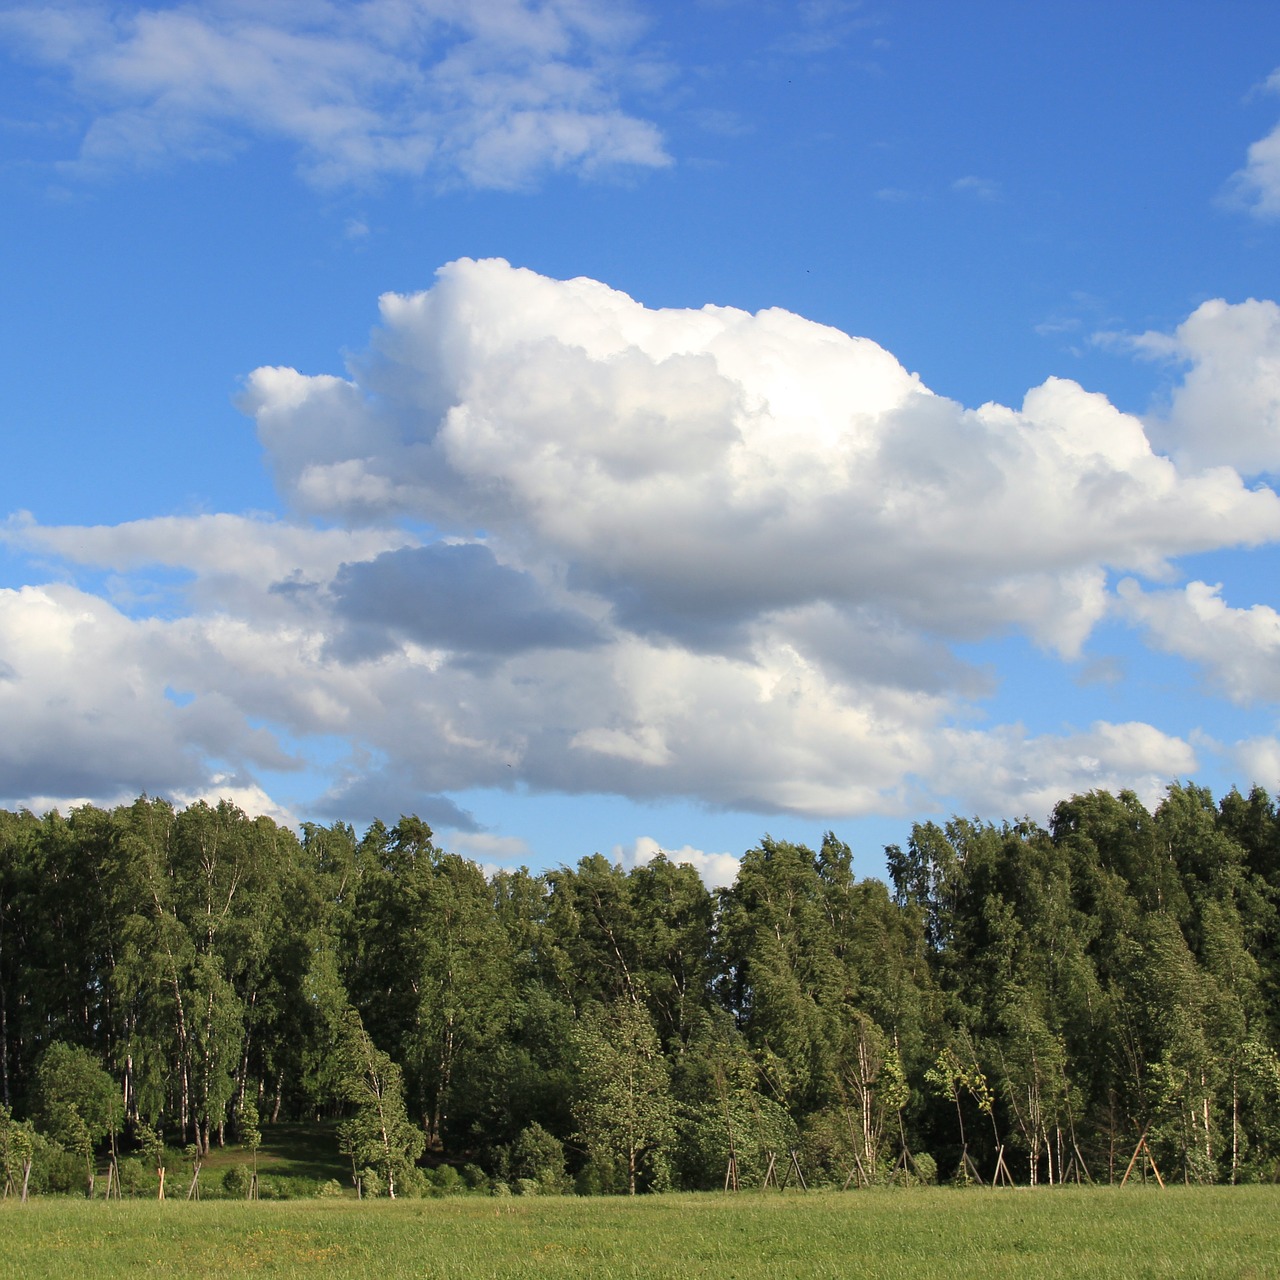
[296, 1150]
[919, 1234]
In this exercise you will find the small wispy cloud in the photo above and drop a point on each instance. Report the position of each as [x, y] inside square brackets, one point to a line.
[984, 189]
[823, 26]
[1106, 671]
[1058, 325]
[1081, 313]
[1149, 345]
[1256, 187]
[489, 849]
[721, 123]
[493, 93]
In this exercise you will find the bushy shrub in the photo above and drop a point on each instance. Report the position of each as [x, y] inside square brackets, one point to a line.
[538, 1156]
[284, 1186]
[925, 1169]
[599, 1177]
[475, 1177]
[235, 1181]
[826, 1152]
[412, 1183]
[330, 1190]
[53, 1169]
[527, 1187]
[444, 1181]
[133, 1176]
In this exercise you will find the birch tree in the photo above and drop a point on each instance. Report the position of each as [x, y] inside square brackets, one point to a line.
[624, 1107]
[379, 1133]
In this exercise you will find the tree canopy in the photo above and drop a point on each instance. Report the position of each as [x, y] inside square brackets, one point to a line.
[1041, 997]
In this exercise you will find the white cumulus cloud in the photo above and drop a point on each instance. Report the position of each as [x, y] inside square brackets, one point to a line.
[1007, 771]
[698, 469]
[1238, 648]
[717, 870]
[1225, 411]
[1258, 762]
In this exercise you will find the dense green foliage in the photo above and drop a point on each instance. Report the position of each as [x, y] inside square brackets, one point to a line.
[1018, 998]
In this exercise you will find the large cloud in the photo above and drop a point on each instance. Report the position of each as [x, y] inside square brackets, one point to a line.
[593, 547]
[698, 469]
[489, 92]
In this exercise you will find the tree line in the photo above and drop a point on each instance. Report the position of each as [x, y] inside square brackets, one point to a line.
[1017, 1003]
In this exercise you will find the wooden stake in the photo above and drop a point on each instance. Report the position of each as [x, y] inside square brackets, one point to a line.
[904, 1164]
[1143, 1149]
[967, 1167]
[863, 1180]
[731, 1173]
[1079, 1166]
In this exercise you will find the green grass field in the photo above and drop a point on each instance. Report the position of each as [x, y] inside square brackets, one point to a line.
[910, 1234]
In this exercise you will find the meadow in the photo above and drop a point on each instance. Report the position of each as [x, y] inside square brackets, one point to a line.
[915, 1234]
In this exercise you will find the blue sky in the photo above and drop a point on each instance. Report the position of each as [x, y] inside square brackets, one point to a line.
[777, 417]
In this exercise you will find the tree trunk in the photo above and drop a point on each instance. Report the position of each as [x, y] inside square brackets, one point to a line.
[184, 1053]
[1235, 1126]
[242, 1076]
[1111, 1138]
[127, 1085]
[4, 1050]
[1208, 1137]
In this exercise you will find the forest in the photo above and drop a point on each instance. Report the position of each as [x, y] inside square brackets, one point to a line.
[1018, 1003]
